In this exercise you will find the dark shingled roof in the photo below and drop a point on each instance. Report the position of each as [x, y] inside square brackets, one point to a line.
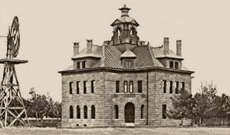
[109, 56]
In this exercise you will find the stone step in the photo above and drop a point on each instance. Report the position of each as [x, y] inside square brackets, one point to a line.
[130, 124]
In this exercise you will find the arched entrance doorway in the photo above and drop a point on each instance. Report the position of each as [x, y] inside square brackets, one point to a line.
[129, 113]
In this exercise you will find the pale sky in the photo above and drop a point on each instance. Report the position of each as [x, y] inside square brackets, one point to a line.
[49, 27]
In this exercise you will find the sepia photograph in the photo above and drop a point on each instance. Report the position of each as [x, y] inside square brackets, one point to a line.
[114, 67]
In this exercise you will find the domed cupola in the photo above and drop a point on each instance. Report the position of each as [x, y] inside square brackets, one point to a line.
[124, 28]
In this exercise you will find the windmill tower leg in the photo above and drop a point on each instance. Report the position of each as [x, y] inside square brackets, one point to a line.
[12, 108]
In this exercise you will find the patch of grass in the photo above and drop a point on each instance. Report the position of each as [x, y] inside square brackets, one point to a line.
[116, 131]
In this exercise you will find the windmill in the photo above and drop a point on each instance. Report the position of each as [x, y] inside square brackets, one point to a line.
[12, 108]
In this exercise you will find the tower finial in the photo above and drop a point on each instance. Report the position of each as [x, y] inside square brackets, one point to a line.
[124, 10]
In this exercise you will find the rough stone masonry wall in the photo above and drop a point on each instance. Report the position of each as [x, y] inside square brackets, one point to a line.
[105, 97]
[121, 98]
[157, 97]
[96, 98]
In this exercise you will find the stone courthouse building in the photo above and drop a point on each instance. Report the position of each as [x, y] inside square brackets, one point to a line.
[123, 82]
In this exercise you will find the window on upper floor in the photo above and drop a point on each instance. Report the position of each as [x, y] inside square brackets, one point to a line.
[70, 87]
[125, 86]
[84, 87]
[171, 64]
[164, 86]
[92, 86]
[164, 111]
[171, 87]
[77, 87]
[177, 87]
[117, 86]
[183, 86]
[83, 64]
[131, 86]
[139, 86]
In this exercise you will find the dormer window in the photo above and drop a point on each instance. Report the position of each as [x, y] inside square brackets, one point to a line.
[176, 65]
[83, 64]
[127, 59]
[128, 63]
[78, 65]
[171, 64]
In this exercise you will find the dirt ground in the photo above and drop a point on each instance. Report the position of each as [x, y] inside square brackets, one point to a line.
[116, 131]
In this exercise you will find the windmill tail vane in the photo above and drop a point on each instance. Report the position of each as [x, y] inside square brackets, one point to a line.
[12, 108]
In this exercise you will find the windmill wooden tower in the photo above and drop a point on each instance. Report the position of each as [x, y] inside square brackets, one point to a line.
[12, 108]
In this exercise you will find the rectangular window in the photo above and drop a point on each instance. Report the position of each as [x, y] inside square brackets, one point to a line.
[164, 86]
[183, 86]
[171, 64]
[171, 87]
[176, 65]
[125, 86]
[139, 86]
[92, 86]
[70, 87]
[78, 65]
[164, 111]
[83, 64]
[77, 87]
[117, 86]
[177, 88]
[84, 87]
[131, 86]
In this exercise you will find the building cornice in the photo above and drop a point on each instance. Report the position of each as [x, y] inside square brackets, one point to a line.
[122, 70]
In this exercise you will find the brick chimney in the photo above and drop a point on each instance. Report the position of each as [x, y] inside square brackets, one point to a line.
[89, 46]
[75, 48]
[178, 48]
[166, 45]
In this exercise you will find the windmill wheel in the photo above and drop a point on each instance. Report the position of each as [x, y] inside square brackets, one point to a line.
[14, 37]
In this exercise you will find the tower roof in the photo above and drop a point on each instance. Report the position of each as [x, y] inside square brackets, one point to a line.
[124, 10]
[125, 17]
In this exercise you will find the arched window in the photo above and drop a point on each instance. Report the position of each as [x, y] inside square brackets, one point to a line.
[78, 112]
[71, 112]
[142, 111]
[85, 112]
[93, 112]
[116, 111]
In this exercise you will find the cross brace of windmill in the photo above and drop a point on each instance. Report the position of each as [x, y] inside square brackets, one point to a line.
[12, 108]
